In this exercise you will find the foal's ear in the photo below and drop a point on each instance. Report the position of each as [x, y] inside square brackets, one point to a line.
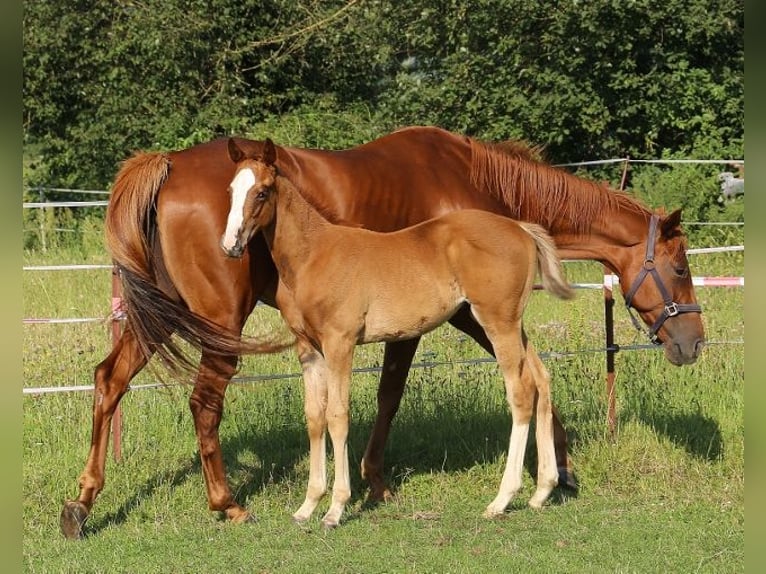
[269, 154]
[669, 226]
[235, 152]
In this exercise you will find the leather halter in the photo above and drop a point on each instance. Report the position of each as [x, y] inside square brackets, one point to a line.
[671, 308]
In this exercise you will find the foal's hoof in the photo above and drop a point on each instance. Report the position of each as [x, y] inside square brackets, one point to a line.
[73, 517]
[330, 524]
[494, 511]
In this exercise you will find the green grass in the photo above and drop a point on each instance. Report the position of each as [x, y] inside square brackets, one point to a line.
[665, 495]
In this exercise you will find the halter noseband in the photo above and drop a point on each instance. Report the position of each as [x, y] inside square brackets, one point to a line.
[671, 308]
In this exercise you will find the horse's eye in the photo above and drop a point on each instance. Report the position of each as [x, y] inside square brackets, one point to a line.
[681, 271]
[262, 195]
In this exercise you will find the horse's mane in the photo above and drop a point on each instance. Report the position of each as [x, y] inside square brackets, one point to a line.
[538, 192]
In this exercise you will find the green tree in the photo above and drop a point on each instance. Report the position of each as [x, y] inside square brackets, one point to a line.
[585, 79]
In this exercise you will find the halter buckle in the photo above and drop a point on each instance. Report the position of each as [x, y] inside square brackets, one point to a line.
[671, 309]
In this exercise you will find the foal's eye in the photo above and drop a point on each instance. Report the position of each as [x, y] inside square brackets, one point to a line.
[262, 195]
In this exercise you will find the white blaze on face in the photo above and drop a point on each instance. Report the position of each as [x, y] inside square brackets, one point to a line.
[243, 181]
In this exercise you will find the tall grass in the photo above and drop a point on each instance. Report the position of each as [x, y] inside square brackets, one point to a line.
[665, 494]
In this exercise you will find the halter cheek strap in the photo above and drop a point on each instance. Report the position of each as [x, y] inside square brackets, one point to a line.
[671, 308]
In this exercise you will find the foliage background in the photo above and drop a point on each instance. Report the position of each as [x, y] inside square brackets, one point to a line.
[585, 79]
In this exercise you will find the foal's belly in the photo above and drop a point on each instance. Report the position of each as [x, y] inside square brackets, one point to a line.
[415, 314]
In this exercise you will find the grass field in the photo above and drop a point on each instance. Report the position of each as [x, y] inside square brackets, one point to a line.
[665, 495]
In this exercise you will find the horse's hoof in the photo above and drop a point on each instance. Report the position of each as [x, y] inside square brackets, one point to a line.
[238, 515]
[73, 517]
[567, 479]
[246, 519]
[243, 518]
[377, 496]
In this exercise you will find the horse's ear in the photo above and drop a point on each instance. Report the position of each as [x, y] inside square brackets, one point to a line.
[269, 152]
[670, 224]
[235, 152]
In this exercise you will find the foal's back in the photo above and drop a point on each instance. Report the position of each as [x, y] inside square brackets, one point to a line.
[392, 286]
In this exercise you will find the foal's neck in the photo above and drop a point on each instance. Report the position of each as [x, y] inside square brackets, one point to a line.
[296, 227]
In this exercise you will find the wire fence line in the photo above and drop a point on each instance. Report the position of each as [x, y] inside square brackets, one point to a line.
[608, 282]
[248, 379]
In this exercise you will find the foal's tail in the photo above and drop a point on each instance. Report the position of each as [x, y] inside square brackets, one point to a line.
[153, 307]
[548, 262]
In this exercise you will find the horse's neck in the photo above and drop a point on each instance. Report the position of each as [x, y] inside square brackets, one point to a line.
[296, 227]
[611, 236]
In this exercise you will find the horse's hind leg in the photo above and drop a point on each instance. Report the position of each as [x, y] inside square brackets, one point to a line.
[465, 321]
[112, 377]
[206, 404]
[397, 359]
[547, 474]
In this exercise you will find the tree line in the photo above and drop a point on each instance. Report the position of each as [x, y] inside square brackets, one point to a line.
[583, 79]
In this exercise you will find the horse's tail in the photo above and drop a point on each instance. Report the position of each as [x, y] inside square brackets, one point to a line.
[548, 262]
[130, 230]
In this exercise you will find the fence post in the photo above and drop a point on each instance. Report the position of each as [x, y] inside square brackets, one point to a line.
[611, 348]
[116, 333]
[611, 412]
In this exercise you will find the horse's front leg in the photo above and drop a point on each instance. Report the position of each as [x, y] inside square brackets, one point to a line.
[206, 404]
[397, 359]
[111, 378]
[315, 405]
[339, 362]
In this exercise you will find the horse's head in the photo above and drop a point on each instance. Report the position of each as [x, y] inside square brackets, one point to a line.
[253, 196]
[657, 284]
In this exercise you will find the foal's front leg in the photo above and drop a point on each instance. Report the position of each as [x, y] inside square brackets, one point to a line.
[315, 405]
[339, 356]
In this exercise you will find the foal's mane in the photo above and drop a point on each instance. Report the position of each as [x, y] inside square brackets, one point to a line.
[541, 193]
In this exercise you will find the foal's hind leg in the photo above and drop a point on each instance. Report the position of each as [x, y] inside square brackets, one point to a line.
[520, 392]
[465, 321]
[111, 378]
[547, 474]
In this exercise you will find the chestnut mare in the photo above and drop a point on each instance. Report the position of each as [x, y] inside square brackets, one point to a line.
[343, 286]
[176, 281]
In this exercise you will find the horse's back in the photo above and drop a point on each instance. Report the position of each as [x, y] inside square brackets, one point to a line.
[392, 182]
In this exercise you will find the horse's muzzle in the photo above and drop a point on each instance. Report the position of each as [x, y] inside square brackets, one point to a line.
[684, 353]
